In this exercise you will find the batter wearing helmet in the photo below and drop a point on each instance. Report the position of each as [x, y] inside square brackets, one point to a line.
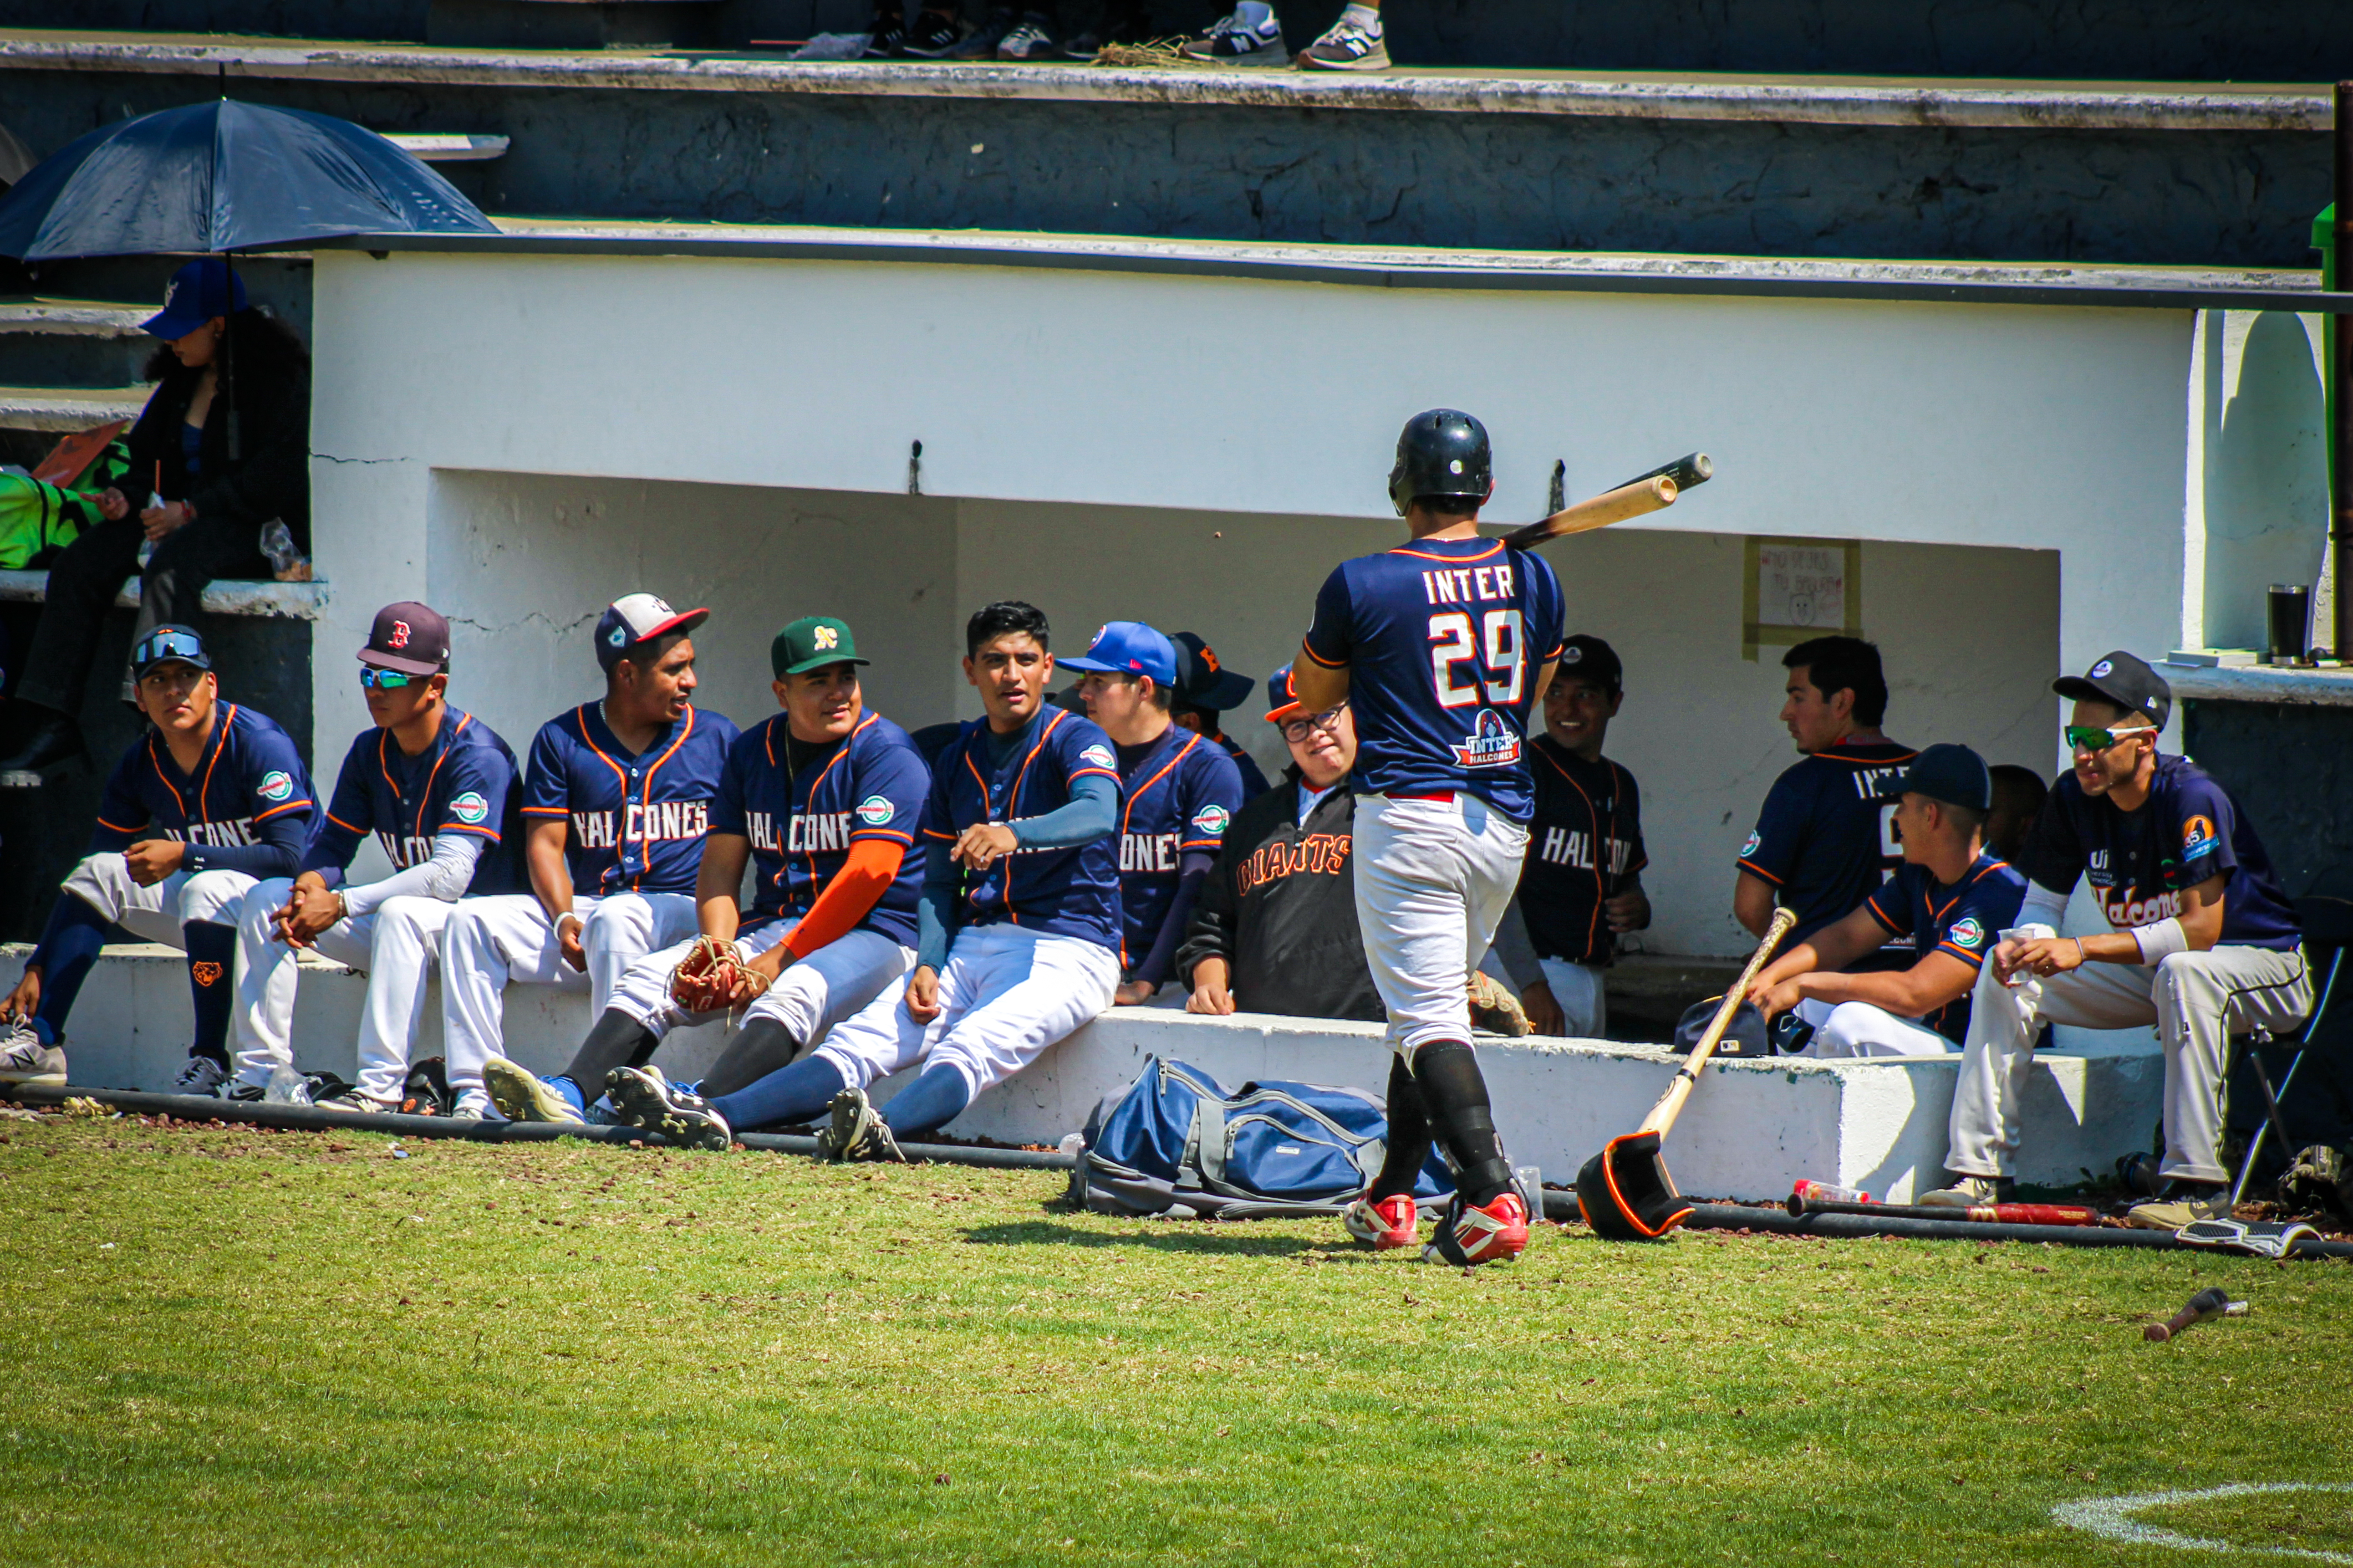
[1441, 648]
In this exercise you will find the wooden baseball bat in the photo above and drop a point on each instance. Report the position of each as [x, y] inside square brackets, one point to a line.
[1637, 497]
[2210, 1303]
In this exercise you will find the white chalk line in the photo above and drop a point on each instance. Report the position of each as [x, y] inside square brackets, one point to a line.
[2112, 1518]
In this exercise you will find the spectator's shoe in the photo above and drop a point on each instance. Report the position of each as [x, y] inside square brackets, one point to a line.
[1496, 1010]
[247, 1093]
[1970, 1192]
[2140, 1174]
[856, 1132]
[886, 40]
[980, 44]
[931, 35]
[643, 1099]
[522, 1095]
[1383, 1223]
[23, 1059]
[1347, 47]
[1032, 40]
[54, 739]
[1250, 36]
[2181, 1204]
[1493, 1232]
[201, 1076]
[357, 1104]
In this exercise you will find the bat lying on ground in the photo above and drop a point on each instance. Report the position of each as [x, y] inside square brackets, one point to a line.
[1644, 494]
[1979, 1213]
[2213, 1303]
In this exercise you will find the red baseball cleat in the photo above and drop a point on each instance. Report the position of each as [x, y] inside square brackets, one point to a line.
[1386, 1223]
[1495, 1232]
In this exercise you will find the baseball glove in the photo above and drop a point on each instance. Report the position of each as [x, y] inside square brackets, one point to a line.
[714, 975]
[1494, 1010]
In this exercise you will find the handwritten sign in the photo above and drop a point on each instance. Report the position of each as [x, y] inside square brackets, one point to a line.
[1801, 588]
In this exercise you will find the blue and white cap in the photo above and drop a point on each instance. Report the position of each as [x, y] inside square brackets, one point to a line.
[1129, 648]
[636, 618]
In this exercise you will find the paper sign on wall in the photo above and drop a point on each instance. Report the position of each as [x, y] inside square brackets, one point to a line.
[1801, 588]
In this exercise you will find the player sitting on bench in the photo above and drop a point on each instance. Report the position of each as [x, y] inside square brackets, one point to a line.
[1950, 898]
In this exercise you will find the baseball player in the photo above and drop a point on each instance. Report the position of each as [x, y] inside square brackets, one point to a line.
[822, 800]
[438, 789]
[1823, 840]
[1178, 793]
[1017, 931]
[1582, 887]
[1441, 646]
[2202, 944]
[213, 799]
[1206, 689]
[617, 798]
[1947, 899]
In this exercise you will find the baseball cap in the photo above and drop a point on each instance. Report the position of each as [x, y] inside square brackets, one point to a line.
[812, 643]
[1282, 701]
[197, 292]
[1129, 648]
[169, 643]
[2125, 681]
[1953, 774]
[1588, 658]
[410, 638]
[1744, 1037]
[1202, 681]
[636, 618]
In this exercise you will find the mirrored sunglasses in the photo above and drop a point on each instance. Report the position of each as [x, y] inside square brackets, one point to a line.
[166, 644]
[375, 679]
[2083, 738]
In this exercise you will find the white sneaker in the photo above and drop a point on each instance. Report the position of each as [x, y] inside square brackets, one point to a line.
[1971, 1192]
[202, 1075]
[23, 1059]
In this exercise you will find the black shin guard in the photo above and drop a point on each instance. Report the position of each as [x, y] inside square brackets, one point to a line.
[760, 1047]
[1456, 1093]
[618, 1040]
[1409, 1138]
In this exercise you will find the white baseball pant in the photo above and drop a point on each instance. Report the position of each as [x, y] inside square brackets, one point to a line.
[1006, 994]
[811, 996]
[103, 882]
[1866, 1029]
[1434, 878]
[395, 947]
[508, 937]
[2196, 1000]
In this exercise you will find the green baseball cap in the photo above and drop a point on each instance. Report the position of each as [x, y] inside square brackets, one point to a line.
[812, 643]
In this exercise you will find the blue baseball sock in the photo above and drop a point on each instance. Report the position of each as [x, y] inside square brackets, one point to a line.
[797, 1093]
[69, 947]
[928, 1104]
[569, 1088]
[212, 955]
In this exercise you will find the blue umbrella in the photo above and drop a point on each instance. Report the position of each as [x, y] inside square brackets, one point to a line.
[225, 176]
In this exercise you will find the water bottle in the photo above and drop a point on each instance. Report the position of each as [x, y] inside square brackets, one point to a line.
[147, 546]
[1529, 1179]
[287, 1087]
[1824, 1192]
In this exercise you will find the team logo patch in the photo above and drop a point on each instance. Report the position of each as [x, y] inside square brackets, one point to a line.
[875, 810]
[207, 975]
[1099, 756]
[1750, 845]
[469, 807]
[1212, 819]
[826, 636]
[275, 785]
[617, 635]
[2198, 837]
[400, 634]
[1571, 654]
[2101, 669]
[1491, 744]
[1967, 933]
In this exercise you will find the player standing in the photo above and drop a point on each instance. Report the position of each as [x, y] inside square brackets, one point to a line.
[615, 802]
[438, 789]
[1441, 648]
[211, 800]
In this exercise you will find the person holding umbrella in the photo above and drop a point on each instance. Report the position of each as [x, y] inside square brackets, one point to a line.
[200, 506]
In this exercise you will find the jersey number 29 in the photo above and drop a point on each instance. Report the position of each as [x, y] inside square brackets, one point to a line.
[1501, 674]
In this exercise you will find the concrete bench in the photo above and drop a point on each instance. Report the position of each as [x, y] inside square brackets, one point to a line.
[229, 596]
[1753, 1129]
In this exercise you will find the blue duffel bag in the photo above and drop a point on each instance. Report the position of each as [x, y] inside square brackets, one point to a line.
[1174, 1140]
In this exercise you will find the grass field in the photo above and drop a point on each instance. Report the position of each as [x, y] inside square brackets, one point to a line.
[252, 1347]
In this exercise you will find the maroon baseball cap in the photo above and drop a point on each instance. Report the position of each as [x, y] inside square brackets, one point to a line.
[410, 638]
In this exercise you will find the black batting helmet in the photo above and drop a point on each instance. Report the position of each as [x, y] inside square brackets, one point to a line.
[1441, 452]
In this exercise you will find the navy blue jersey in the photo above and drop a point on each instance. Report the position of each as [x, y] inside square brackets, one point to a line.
[249, 787]
[1254, 782]
[1065, 892]
[465, 782]
[1585, 846]
[1443, 640]
[869, 785]
[1960, 920]
[1826, 837]
[637, 821]
[2138, 861]
[1180, 795]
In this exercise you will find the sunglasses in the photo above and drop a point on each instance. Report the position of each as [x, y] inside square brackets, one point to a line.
[2083, 738]
[157, 646]
[375, 679]
[1297, 729]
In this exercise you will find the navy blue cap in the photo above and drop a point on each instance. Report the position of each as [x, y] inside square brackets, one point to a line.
[197, 292]
[2124, 680]
[1745, 1036]
[1588, 658]
[1202, 681]
[1282, 701]
[1129, 648]
[169, 643]
[1953, 774]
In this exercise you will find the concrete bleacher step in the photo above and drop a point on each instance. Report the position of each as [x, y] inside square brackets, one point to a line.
[223, 596]
[69, 408]
[73, 344]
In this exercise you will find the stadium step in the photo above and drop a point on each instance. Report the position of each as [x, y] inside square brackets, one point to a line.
[76, 344]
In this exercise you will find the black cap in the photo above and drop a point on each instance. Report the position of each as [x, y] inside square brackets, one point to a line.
[1441, 452]
[410, 638]
[1588, 658]
[1953, 774]
[1202, 681]
[1744, 1037]
[170, 643]
[2125, 681]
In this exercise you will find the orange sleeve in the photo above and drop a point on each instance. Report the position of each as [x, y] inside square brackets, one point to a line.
[850, 897]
